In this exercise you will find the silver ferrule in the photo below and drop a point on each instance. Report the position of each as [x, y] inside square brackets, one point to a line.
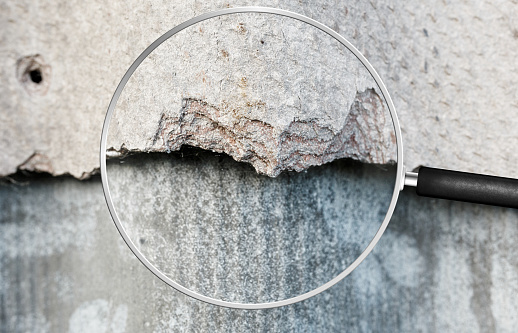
[411, 179]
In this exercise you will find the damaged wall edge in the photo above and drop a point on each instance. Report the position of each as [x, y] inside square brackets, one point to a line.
[38, 165]
[367, 136]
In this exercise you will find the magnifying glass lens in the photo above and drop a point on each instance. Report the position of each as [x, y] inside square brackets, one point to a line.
[251, 158]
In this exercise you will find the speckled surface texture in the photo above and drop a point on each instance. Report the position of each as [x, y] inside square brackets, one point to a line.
[440, 266]
[450, 68]
[268, 90]
[220, 229]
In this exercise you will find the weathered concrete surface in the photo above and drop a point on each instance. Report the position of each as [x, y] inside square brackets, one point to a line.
[267, 90]
[220, 229]
[449, 67]
[440, 267]
[270, 147]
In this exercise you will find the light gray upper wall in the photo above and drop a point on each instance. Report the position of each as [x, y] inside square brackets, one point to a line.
[450, 68]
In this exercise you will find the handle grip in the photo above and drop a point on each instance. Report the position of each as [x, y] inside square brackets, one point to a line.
[468, 187]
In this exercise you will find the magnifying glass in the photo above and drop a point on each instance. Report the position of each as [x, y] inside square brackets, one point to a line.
[283, 93]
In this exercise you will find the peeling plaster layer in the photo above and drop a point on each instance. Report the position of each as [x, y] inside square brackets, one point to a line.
[271, 91]
[449, 67]
[365, 136]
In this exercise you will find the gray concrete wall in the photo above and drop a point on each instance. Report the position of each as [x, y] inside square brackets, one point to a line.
[441, 266]
[450, 68]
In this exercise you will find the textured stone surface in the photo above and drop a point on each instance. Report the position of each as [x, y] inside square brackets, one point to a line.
[449, 67]
[271, 148]
[441, 266]
[267, 90]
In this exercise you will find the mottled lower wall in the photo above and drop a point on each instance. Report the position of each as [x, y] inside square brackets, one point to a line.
[217, 227]
[440, 267]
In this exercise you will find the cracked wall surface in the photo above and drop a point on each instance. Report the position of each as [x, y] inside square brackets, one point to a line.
[270, 148]
[440, 266]
[267, 90]
[449, 69]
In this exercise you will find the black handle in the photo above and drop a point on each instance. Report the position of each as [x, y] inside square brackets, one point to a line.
[468, 187]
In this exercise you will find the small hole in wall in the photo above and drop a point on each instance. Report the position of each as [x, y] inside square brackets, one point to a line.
[35, 76]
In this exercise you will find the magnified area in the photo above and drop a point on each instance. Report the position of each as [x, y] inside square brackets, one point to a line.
[252, 158]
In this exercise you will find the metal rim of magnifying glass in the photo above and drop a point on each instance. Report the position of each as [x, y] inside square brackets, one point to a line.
[397, 187]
